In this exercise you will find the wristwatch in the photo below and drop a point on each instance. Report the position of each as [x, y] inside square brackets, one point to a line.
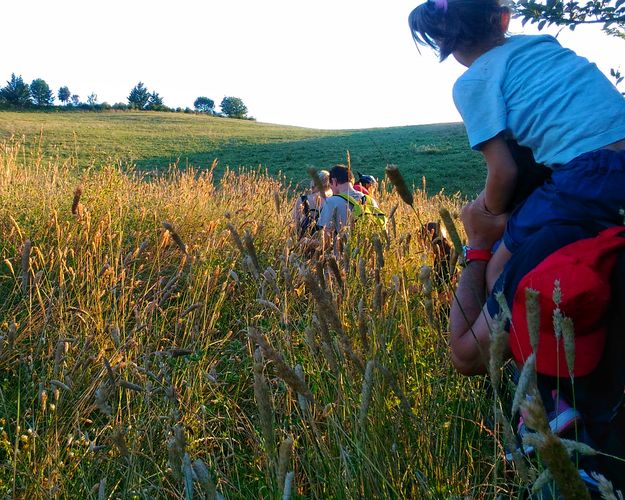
[469, 254]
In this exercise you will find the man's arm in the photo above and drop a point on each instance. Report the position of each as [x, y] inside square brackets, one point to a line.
[469, 321]
[469, 331]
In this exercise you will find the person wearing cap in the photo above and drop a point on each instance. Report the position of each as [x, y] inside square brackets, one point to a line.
[366, 184]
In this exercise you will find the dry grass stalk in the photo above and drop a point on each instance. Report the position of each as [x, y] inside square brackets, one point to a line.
[115, 335]
[568, 334]
[425, 277]
[302, 401]
[334, 269]
[59, 352]
[365, 395]
[394, 175]
[76, 200]
[236, 238]
[563, 470]
[325, 304]
[285, 455]
[205, 479]
[378, 297]
[310, 338]
[451, 229]
[511, 444]
[62, 385]
[328, 353]
[175, 236]
[532, 308]
[288, 485]
[504, 310]
[262, 395]
[527, 380]
[276, 201]
[118, 438]
[102, 489]
[191, 308]
[605, 487]
[284, 371]
[498, 346]
[26, 249]
[187, 474]
[176, 446]
[248, 242]
[362, 325]
[362, 272]
[102, 394]
[379, 252]
[129, 385]
[543, 480]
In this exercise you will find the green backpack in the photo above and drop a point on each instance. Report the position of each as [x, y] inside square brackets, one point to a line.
[365, 210]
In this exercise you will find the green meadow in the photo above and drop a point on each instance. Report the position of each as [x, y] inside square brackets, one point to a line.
[168, 336]
[152, 141]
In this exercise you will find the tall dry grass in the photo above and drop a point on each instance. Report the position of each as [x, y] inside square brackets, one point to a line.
[131, 312]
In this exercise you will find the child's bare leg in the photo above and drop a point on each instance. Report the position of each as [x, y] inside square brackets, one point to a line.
[495, 265]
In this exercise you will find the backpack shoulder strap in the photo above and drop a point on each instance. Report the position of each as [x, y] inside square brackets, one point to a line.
[349, 199]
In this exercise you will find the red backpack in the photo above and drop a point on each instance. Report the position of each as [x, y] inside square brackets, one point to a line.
[591, 276]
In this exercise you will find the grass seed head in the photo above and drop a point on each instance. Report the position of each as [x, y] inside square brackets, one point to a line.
[532, 308]
[568, 334]
[285, 456]
[394, 175]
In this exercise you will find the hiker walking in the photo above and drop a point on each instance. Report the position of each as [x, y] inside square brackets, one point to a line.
[345, 202]
[308, 206]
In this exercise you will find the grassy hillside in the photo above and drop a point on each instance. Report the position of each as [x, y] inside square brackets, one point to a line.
[171, 338]
[128, 361]
[153, 140]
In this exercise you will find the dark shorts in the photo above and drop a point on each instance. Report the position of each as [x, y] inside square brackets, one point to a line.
[589, 188]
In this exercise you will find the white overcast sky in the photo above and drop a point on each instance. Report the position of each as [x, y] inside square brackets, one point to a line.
[320, 63]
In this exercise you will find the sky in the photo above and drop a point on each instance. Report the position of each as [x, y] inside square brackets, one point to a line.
[330, 64]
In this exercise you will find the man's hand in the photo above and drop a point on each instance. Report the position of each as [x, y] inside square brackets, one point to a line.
[482, 227]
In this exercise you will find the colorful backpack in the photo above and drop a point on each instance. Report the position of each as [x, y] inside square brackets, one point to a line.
[365, 211]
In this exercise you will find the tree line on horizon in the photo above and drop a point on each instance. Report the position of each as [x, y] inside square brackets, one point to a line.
[17, 94]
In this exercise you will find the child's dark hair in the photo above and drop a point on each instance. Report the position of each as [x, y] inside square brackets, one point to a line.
[448, 25]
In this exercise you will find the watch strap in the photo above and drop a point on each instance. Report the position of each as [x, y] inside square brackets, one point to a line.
[480, 254]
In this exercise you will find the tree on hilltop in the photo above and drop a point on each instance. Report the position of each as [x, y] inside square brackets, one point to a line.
[41, 93]
[233, 107]
[75, 99]
[64, 94]
[155, 102]
[16, 92]
[139, 96]
[204, 105]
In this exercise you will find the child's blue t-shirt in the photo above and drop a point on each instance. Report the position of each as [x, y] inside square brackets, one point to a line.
[543, 96]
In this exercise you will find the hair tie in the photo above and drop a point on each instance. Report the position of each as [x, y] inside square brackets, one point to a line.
[440, 4]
